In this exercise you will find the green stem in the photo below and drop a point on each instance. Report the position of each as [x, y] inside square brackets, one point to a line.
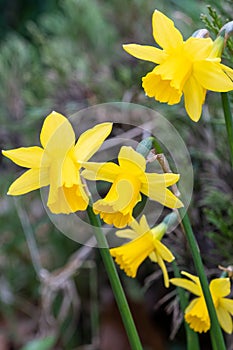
[115, 281]
[192, 337]
[215, 330]
[228, 121]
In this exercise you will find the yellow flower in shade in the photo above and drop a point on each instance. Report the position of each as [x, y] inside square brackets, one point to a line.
[57, 163]
[129, 179]
[183, 67]
[196, 314]
[145, 243]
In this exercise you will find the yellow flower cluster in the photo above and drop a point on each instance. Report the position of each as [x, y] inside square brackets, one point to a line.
[59, 165]
[188, 68]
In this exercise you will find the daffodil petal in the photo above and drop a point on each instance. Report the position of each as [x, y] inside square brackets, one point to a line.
[171, 201]
[154, 182]
[171, 179]
[136, 227]
[28, 157]
[144, 227]
[155, 188]
[164, 270]
[198, 48]
[100, 171]
[163, 251]
[70, 172]
[29, 181]
[164, 32]
[192, 277]
[186, 284]
[91, 140]
[227, 70]
[127, 233]
[141, 227]
[55, 174]
[220, 287]
[225, 319]
[194, 97]
[211, 76]
[57, 135]
[147, 53]
[153, 257]
[227, 304]
[131, 160]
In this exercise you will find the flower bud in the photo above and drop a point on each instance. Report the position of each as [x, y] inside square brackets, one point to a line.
[145, 146]
[201, 33]
[226, 31]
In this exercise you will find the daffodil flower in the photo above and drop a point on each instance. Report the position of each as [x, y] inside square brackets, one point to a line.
[57, 163]
[183, 67]
[129, 180]
[145, 243]
[196, 314]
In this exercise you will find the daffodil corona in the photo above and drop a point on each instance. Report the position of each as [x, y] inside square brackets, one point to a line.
[145, 243]
[183, 67]
[57, 163]
[129, 180]
[196, 314]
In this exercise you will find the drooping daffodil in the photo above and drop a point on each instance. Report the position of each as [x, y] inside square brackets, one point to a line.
[57, 163]
[196, 313]
[145, 242]
[188, 67]
[129, 179]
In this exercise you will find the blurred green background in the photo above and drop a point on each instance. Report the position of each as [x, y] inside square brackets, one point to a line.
[67, 55]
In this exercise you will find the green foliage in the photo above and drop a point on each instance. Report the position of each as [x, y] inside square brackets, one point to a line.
[214, 21]
[219, 213]
[40, 344]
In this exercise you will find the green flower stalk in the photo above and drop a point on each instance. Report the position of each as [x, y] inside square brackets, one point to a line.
[115, 281]
[215, 330]
[225, 32]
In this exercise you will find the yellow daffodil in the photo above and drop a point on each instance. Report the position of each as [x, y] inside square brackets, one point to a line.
[57, 163]
[196, 314]
[129, 179]
[183, 67]
[145, 243]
